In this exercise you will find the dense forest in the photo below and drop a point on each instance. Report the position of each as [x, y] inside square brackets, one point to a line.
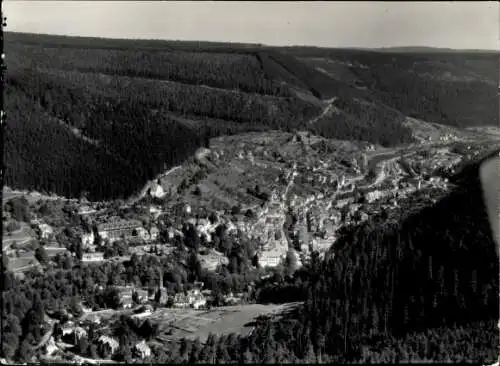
[364, 120]
[450, 88]
[144, 106]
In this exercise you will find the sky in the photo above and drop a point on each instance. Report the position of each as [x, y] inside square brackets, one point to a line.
[461, 25]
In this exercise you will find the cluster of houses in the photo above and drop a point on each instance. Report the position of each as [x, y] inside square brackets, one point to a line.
[272, 257]
[21, 258]
[192, 298]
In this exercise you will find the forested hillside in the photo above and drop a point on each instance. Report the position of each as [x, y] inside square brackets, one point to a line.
[144, 106]
[451, 88]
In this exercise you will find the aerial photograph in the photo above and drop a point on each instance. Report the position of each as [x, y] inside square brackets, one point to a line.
[245, 182]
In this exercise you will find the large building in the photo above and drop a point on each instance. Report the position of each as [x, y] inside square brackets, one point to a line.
[112, 231]
[272, 257]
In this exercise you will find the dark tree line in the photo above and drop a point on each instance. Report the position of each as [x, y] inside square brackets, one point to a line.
[364, 120]
[130, 128]
[240, 71]
[441, 90]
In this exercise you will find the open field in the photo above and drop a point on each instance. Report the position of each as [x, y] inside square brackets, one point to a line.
[20, 237]
[192, 324]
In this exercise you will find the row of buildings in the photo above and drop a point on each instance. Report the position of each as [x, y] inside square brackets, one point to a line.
[120, 229]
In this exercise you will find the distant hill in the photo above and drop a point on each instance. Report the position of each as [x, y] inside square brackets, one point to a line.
[413, 49]
[142, 106]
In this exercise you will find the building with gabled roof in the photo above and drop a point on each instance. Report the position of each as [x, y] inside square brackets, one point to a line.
[93, 257]
[116, 230]
[109, 342]
[45, 231]
[142, 350]
[87, 239]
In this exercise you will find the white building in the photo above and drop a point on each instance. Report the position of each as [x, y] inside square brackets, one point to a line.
[87, 239]
[156, 190]
[85, 210]
[199, 302]
[46, 231]
[93, 257]
[118, 229]
[143, 234]
[271, 258]
[154, 233]
[193, 298]
[110, 342]
[142, 349]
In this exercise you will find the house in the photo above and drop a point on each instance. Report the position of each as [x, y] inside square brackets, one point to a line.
[110, 343]
[126, 295]
[171, 233]
[373, 196]
[154, 233]
[85, 210]
[199, 301]
[126, 302]
[143, 234]
[53, 251]
[74, 334]
[271, 258]
[181, 300]
[93, 257]
[112, 231]
[156, 190]
[45, 231]
[193, 298]
[87, 239]
[231, 299]
[344, 202]
[142, 350]
[144, 310]
[142, 295]
[163, 295]
[50, 347]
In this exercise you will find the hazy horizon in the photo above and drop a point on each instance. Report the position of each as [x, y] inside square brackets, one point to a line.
[319, 24]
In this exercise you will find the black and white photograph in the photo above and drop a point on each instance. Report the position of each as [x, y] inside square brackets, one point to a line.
[250, 182]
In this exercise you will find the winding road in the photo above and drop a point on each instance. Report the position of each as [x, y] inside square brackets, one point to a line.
[148, 185]
[326, 110]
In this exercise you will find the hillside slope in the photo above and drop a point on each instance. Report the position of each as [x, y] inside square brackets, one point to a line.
[148, 105]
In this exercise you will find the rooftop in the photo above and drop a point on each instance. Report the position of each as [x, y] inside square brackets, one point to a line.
[119, 225]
